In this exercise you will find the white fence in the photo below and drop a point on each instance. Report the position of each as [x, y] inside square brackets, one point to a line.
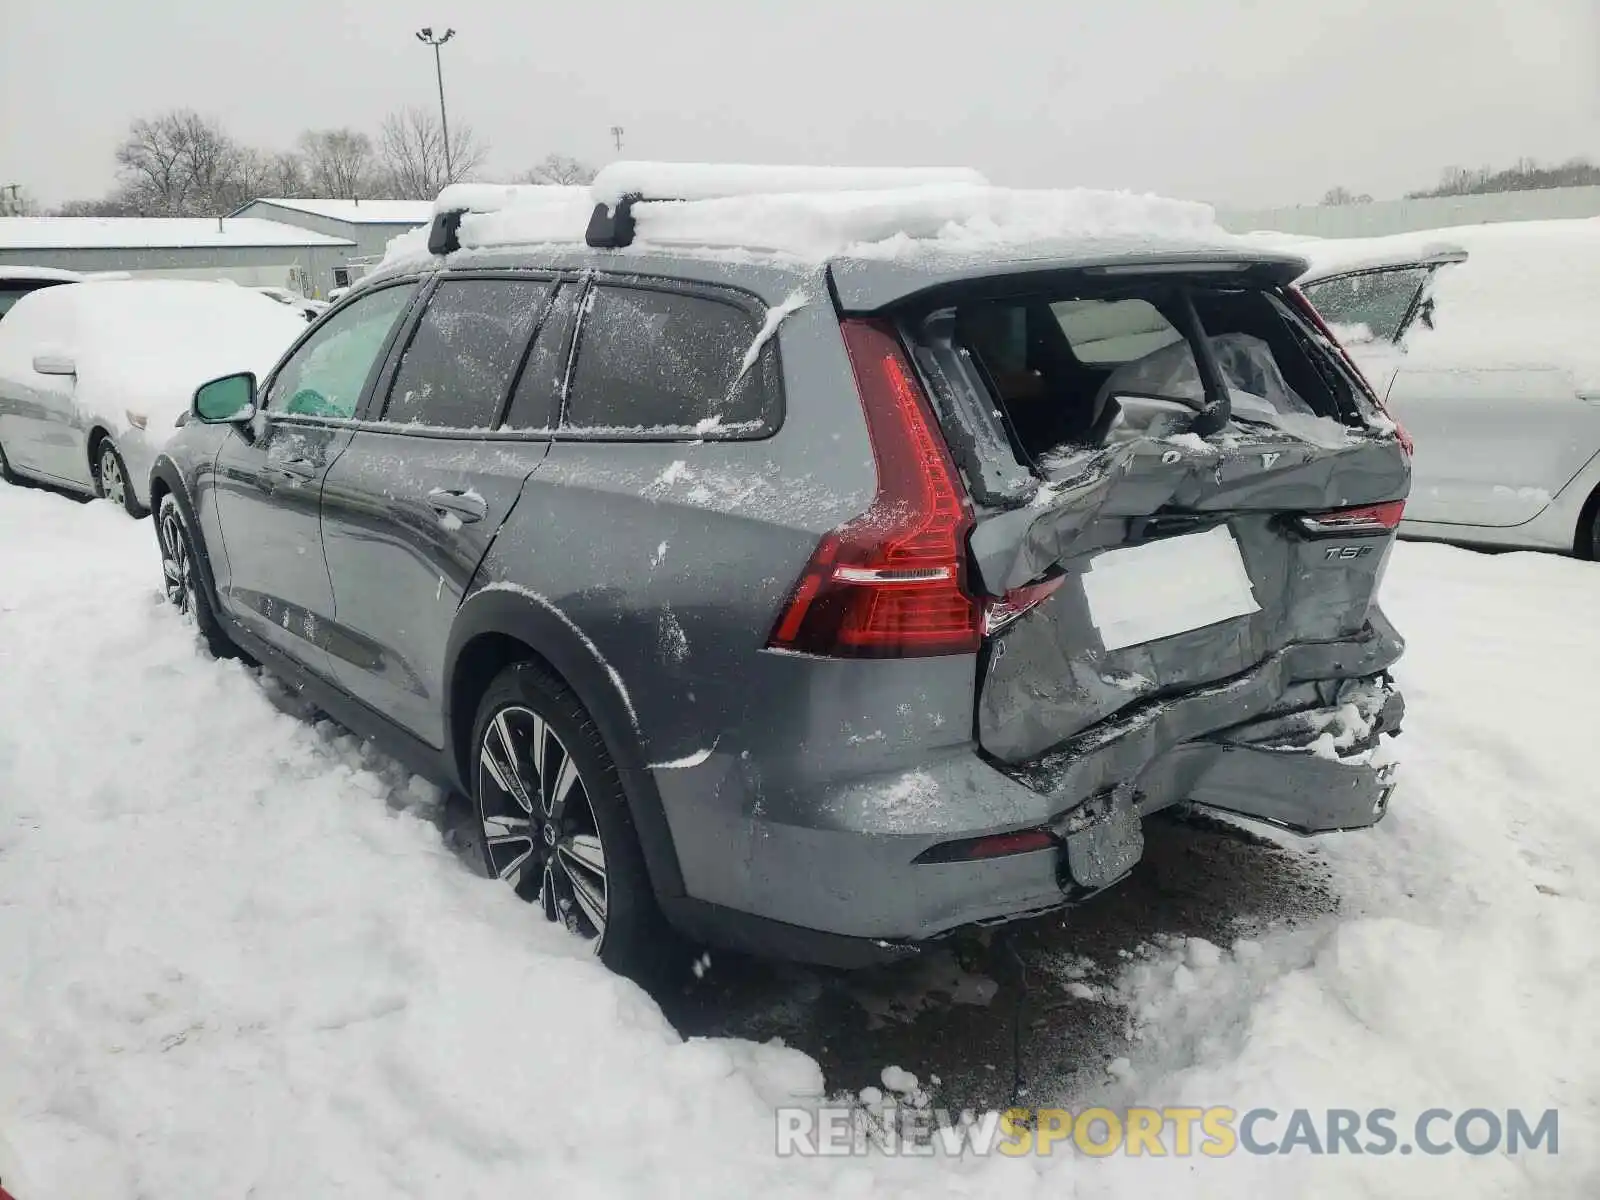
[1403, 216]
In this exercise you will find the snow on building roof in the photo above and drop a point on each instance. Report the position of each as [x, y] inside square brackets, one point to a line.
[152, 233]
[357, 212]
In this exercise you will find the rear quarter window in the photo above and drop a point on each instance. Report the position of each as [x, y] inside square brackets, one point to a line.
[658, 364]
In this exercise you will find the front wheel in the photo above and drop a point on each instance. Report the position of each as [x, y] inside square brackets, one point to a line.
[181, 578]
[5, 467]
[555, 822]
[111, 479]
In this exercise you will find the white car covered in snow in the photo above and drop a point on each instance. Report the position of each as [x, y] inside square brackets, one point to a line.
[1482, 339]
[94, 377]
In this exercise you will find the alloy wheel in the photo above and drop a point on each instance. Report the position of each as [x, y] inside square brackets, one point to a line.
[538, 822]
[112, 485]
[177, 564]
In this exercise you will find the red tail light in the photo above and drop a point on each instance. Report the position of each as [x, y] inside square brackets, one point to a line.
[891, 582]
[1342, 522]
[1309, 311]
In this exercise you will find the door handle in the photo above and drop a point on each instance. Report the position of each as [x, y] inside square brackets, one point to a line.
[462, 504]
[300, 468]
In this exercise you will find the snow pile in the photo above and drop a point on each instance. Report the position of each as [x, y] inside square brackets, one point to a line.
[240, 961]
[813, 213]
[143, 346]
[895, 223]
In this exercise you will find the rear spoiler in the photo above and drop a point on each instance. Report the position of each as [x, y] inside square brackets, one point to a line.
[872, 285]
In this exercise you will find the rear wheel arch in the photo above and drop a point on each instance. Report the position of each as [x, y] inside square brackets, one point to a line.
[1586, 538]
[496, 627]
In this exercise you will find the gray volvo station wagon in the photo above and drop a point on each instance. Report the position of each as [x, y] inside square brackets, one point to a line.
[814, 607]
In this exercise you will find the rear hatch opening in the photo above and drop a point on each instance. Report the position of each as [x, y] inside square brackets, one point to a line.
[1175, 476]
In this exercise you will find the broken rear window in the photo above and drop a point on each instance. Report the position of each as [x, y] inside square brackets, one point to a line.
[1080, 370]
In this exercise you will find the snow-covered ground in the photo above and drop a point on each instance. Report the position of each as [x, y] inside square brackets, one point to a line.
[236, 958]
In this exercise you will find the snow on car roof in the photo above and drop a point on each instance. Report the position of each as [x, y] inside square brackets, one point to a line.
[827, 213]
[142, 233]
[356, 212]
[707, 181]
[52, 274]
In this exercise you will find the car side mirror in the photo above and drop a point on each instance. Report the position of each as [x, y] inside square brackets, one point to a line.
[55, 362]
[227, 400]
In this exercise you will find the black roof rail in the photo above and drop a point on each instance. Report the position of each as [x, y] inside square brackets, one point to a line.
[444, 235]
[611, 226]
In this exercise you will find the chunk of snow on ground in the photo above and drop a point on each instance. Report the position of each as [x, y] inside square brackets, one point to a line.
[897, 1079]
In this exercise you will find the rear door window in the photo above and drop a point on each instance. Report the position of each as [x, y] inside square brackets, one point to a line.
[663, 364]
[1370, 306]
[458, 368]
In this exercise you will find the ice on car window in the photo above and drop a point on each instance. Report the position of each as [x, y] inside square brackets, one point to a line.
[458, 368]
[1374, 302]
[658, 360]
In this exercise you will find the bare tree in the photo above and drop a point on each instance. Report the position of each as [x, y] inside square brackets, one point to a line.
[1343, 195]
[559, 168]
[339, 163]
[117, 204]
[150, 165]
[181, 164]
[411, 148]
[15, 201]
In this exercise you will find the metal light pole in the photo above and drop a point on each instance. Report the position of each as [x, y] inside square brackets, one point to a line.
[425, 36]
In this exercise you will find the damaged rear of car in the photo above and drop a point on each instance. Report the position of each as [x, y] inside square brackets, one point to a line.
[1180, 499]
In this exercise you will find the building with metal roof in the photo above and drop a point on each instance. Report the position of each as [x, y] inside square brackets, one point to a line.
[247, 250]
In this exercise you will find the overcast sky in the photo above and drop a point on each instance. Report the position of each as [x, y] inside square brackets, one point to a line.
[1245, 102]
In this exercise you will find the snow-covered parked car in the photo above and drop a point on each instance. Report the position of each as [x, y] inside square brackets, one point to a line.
[17, 282]
[306, 307]
[94, 377]
[1482, 339]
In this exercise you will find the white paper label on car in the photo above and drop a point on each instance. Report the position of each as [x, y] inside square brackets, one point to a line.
[1140, 594]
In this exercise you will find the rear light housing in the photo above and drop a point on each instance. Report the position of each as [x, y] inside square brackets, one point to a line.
[1365, 521]
[1309, 311]
[890, 583]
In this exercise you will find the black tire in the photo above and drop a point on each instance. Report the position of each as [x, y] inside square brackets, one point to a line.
[182, 578]
[111, 480]
[1588, 539]
[5, 467]
[544, 857]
